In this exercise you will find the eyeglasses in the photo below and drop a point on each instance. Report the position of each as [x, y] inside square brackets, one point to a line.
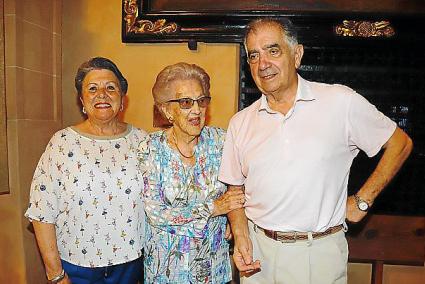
[187, 103]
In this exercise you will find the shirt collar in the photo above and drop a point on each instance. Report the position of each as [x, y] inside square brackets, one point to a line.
[303, 94]
[264, 105]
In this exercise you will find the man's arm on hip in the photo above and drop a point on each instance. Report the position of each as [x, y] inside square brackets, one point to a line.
[396, 151]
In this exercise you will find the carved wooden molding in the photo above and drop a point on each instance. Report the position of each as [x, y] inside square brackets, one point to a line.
[133, 25]
[198, 21]
[365, 29]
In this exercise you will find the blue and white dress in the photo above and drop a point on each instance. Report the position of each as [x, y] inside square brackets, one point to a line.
[184, 244]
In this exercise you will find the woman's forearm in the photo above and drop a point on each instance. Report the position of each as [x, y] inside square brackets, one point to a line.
[46, 238]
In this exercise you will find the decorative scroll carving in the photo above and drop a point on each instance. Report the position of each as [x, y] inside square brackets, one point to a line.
[144, 26]
[365, 29]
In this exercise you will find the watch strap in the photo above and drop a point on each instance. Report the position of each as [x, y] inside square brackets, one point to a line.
[360, 200]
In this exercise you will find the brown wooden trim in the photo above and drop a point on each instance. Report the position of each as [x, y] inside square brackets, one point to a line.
[390, 239]
[377, 272]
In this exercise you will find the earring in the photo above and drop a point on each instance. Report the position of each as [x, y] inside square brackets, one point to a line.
[84, 110]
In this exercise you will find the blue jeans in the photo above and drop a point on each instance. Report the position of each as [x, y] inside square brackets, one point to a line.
[126, 273]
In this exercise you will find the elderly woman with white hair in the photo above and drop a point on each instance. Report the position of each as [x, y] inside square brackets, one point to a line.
[185, 204]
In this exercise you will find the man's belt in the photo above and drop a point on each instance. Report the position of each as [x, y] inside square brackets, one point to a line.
[292, 237]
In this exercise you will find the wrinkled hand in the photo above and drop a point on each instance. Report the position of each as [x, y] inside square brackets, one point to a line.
[242, 255]
[354, 214]
[232, 199]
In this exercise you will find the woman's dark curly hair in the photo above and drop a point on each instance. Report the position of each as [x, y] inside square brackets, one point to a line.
[98, 63]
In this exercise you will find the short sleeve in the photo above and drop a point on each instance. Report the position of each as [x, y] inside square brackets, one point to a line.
[43, 204]
[231, 166]
[368, 128]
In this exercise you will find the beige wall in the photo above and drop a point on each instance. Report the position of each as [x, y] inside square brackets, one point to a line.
[33, 97]
[93, 28]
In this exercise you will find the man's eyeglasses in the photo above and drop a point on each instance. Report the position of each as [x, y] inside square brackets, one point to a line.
[187, 103]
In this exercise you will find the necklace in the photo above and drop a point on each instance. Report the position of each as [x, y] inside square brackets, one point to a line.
[178, 149]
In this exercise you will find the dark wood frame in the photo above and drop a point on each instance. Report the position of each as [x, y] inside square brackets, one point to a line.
[141, 23]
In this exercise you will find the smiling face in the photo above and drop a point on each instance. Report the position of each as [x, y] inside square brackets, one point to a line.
[101, 95]
[188, 122]
[273, 62]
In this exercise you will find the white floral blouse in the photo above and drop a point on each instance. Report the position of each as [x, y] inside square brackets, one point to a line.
[91, 189]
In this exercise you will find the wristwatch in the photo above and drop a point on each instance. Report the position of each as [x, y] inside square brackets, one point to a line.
[361, 204]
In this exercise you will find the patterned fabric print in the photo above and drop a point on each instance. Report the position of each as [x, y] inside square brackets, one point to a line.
[92, 190]
[183, 243]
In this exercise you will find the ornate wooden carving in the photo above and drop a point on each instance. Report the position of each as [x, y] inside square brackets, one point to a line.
[365, 29]
[141, 26]
[219, 22]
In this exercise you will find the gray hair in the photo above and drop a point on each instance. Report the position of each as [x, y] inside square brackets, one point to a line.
[161, 90]
[289, 32]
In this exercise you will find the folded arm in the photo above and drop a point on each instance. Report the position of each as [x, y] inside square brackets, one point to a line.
[189, 220]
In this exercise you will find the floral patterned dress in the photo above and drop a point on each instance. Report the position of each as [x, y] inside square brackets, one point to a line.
[184, 244]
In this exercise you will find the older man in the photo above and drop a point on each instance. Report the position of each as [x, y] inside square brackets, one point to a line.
[292, 151]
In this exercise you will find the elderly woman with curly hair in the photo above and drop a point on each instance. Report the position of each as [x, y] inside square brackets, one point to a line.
[185, 203]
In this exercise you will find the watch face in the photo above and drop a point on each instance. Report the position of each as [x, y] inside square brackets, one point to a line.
[363, 206]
